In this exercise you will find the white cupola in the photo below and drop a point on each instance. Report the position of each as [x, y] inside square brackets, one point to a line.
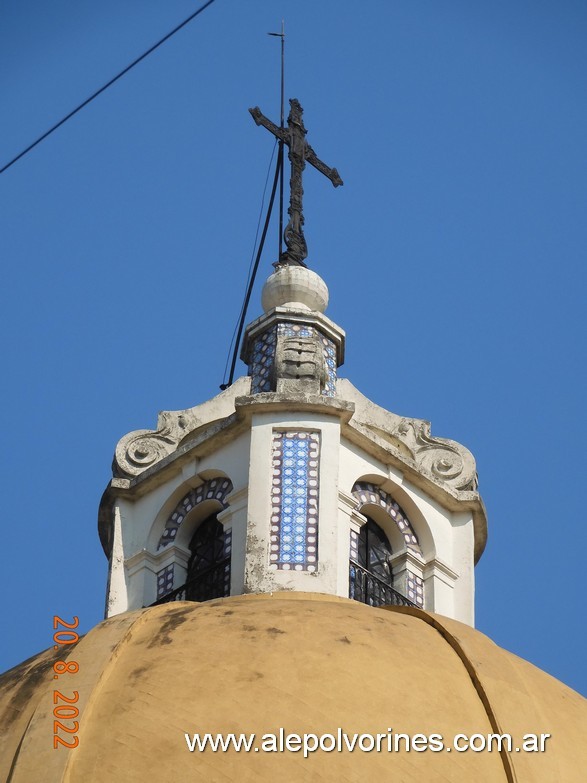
[291, 479]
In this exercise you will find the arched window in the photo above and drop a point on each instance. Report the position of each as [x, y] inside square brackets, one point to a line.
[375, 551]
[371, 577]
[209, 566]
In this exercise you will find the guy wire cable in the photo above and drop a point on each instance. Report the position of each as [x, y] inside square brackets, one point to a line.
[250, 263]
[252, 280]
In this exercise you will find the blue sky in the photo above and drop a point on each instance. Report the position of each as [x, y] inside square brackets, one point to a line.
[454, 254]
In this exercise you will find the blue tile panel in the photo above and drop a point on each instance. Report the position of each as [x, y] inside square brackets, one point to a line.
[165, 581]
[295, 330]
[214, 489]
[264, 356]
[366, 493]
[262, 361]
[294, 501]
[330, 356]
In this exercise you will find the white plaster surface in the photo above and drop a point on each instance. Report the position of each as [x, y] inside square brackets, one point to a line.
[364, 446]
[297, 287]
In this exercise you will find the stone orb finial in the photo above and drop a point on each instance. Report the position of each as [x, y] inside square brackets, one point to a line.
[296, 287]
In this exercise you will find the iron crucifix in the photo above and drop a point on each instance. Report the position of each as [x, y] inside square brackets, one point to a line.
[299, 151]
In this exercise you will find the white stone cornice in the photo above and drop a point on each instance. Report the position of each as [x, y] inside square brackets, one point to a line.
[440, 569]
[419, 475]
[155, 562]
[140, 560]
[274, 402]
[141, 449]
[347, 500]
[450, 463]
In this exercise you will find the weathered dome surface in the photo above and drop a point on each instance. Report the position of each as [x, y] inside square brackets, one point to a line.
[304, 662]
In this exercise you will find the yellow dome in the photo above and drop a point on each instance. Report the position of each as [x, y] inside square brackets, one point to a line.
[305, 662]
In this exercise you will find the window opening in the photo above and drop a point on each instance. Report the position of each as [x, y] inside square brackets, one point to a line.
[370, 572]
[208, 573]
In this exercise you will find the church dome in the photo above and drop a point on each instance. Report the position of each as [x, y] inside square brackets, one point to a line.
[305, 662]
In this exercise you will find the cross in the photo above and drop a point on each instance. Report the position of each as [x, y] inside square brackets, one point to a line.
[299, 151]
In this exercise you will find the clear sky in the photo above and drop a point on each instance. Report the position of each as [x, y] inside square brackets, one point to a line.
[454, 254]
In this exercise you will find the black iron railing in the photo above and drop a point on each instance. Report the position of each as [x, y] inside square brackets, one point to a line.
[369, 589]
[213, 582]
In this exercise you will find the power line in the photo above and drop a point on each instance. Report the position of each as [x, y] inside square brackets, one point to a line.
[108, 84]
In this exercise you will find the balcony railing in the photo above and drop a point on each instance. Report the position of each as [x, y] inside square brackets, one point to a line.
[369, 589]
[214, 582]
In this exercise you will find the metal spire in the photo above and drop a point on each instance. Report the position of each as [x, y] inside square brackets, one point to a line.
[282, 125]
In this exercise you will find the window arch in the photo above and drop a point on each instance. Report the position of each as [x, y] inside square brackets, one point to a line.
[367, 493]
[203, 502]
[214, 489]
[373, 586]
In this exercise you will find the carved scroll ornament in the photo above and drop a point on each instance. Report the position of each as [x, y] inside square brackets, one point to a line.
[140, 449]
[446, 459]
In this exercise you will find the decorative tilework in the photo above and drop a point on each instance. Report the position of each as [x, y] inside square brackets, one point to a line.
[262, 361]
[354, 547]
[416, 589]
[365, 493]
[227, 554]
[214, 489]
[165, 580]
[264, 355]
[330, 357]
[295, 330]
[294, 501]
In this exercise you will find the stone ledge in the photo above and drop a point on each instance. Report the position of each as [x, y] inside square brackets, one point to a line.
[268, 402]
